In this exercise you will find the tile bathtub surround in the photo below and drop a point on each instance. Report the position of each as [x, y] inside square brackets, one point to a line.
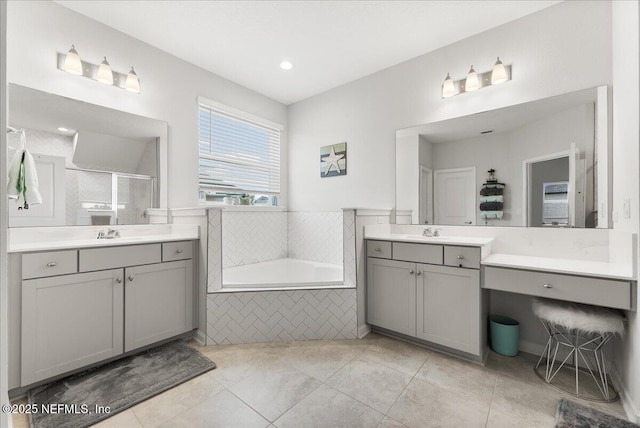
[253, 237]
[373, 382]
[277, 316]
[316, 236]
[258, 236]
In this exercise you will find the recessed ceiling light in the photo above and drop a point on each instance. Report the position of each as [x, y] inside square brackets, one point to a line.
[63, 129]
[286, 65]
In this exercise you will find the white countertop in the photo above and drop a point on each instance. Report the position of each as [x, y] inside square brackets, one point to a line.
[442, 240]
[566, 266]
[46, 239]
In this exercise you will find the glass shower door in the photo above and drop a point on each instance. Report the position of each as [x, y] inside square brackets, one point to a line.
[134, 198]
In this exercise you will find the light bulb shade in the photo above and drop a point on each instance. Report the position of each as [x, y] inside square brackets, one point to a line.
[72, 62]
[133, 83]
[499, 73]
[105, 75]
[472, 83]
[448, 87]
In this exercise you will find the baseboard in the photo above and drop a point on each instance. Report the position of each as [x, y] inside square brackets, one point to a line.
[632, 411]
[200, 337]
[530, 347]
[363, 330]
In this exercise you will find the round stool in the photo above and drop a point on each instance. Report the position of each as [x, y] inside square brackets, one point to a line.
[577, 336]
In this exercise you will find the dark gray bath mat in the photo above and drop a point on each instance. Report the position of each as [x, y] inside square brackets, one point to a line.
[574, 415]
[119, 384]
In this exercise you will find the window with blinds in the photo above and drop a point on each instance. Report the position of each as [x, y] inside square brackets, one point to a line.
[239, 153]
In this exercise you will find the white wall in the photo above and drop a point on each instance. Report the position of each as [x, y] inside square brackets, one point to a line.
[560, 49]
[37, 30]
[626, 164]
[4, 336]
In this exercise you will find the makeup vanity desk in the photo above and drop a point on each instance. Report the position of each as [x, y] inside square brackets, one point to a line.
[435, 290]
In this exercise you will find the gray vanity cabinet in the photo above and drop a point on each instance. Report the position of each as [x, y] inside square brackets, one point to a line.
[429, 292]
[74, 308]
[70, 321]
[391, 295]
[158, 302]
[448, 307]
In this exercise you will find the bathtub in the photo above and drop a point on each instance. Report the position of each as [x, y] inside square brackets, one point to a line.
[282, 274]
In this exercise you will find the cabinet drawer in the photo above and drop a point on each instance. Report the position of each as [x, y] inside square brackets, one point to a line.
[466, 257]
[52, 263]
[115, 257]
[379, 249]
[177, 251]
[594, 291]
[420, 253]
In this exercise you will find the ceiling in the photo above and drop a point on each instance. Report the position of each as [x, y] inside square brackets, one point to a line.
[329, 43]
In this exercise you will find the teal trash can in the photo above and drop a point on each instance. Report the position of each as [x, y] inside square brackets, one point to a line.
[504, 333]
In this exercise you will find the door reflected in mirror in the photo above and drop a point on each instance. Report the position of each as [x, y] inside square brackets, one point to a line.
[441, 167]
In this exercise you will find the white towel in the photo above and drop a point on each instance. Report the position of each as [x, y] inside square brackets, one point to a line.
[23, 186]
[32, 193]
[14, 174]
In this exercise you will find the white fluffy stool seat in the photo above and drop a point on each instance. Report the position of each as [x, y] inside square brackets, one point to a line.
[583, 331]
[583, 318]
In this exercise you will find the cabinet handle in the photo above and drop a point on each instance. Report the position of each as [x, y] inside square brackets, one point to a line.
[130, 278]
[547, 286]
[410, 272]
[51, 264]
[378, 249]
[179, 250]
[418, 273]
[119, 280]
[460, 257]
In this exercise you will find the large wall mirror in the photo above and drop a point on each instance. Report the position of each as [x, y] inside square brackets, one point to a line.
[95, 165]
[544, 163]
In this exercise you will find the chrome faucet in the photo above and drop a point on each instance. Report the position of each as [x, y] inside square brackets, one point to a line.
[428, 232]
[112, 233]
[101, 234]
[436, 232]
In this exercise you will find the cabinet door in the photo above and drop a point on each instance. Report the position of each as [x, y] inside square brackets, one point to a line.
[70, 321]
[391, 295]
[449, 307]
[158, 302]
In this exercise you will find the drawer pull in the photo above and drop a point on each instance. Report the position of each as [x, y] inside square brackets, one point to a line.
[130, 278]
[51, 264]
[547, 286]
[418, 273]
[460, 257]
[411, 272]
[119, 280]
[378, 249]
[179, 250]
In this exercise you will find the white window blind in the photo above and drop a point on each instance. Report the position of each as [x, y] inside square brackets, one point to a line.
[238, 152]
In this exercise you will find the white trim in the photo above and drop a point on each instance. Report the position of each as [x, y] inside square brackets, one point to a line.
[632, 411]
[200, 337]
[189, 212]
[361, 212]
[526, 177]
[239, 113]
[363, 330]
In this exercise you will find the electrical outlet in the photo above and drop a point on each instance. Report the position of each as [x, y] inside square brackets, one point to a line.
[626, 208]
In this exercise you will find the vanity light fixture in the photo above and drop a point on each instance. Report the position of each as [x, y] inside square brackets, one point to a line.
[103, 73]
[132, 84]
[472, 83]
[286, 65]
[72, 62]
[499, 74]
[62, 129]
[448, 88]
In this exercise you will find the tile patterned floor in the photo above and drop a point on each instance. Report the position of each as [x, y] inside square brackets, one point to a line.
[374, 382]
